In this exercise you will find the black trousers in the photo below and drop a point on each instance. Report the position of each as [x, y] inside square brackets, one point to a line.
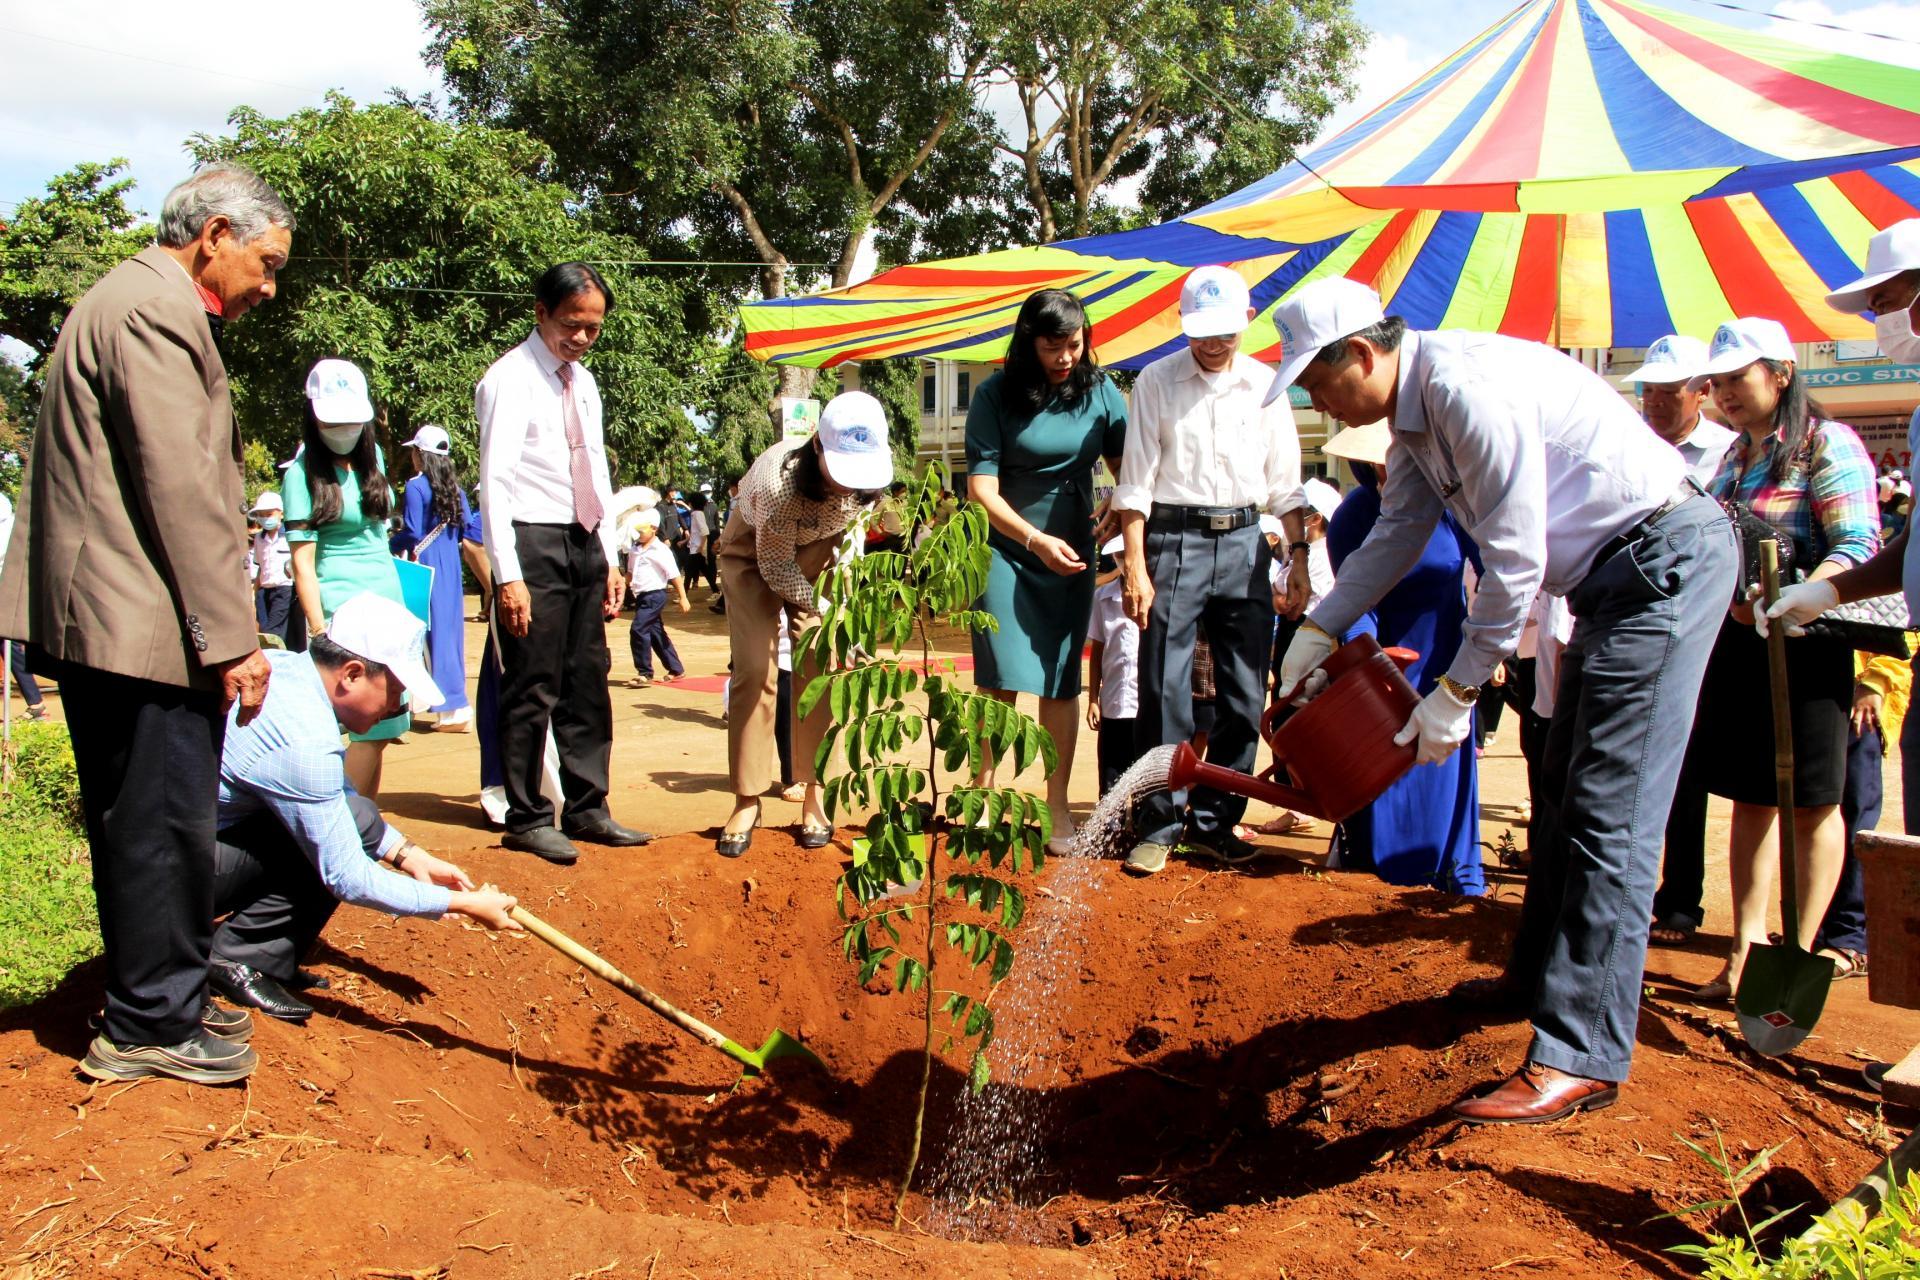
[148, 758]
[783, 726]
[557, 674]
[277, 613]
[273, 897]
[1119, 748]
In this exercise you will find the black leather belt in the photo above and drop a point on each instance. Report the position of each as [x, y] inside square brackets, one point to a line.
[1688, 490]
[1211, 519]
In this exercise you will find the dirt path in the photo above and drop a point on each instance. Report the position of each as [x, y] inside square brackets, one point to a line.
[1246, 1075]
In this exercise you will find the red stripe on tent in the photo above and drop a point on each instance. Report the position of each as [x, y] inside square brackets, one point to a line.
[1512, 139]
[1876, 204]
[1535, 295]
[1835, 108]
[1751, 286]
[1367, 265]
[1138, 313]
[1465, 197]
[791, 337]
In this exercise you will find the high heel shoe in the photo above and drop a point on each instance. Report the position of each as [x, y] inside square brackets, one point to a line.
[733, 844]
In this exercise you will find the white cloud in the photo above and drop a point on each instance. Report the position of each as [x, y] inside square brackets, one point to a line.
[1889, 17]
[92, 79]
[1390, 64]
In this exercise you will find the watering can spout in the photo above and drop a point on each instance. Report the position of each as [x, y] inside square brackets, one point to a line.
[1188, 770]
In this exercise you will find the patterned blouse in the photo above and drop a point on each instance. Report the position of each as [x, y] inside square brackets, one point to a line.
[1825, 503]
[784, 519]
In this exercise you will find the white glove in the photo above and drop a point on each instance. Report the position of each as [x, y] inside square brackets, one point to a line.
[1441, 723]
[1798, 605]
[1305, 652]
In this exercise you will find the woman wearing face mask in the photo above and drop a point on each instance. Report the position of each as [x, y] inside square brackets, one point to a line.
[338, 502]
[1812, 481]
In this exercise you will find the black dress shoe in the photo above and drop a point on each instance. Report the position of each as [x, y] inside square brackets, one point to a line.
[308, 980]
[245, 985]
[610, 833]
[543, 842]
[814, 837]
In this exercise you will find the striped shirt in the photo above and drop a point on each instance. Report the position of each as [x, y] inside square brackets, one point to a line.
[1824, 503]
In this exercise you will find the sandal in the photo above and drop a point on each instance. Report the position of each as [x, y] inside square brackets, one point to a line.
[1285, 823]
[1675, 929]
[794, 792]
[1846, 964]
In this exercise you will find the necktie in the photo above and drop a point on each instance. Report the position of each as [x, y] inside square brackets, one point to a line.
[586, 503]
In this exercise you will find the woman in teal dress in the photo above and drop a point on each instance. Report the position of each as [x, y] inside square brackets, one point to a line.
[1035, 431]
[337, 525]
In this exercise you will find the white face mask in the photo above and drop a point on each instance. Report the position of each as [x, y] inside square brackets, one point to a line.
[1898, 341]
[341, 439]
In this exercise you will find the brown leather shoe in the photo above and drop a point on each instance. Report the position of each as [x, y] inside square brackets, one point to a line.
[1536, 1095]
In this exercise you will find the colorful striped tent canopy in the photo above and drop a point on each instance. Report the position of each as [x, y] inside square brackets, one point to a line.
[1587, 173]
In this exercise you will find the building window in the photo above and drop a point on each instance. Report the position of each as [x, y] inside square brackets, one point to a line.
[928, 392]
[962, 391]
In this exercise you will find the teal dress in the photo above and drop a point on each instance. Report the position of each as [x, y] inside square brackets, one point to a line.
[1045, 463]
[352, 556]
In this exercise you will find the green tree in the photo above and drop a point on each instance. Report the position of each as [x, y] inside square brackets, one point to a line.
[769, 131]
[53, 250]
[417, 246]
[1192, 100]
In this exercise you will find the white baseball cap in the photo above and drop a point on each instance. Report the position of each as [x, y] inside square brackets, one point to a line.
[647, 515]
[430, 439]
[268, 501]
[1889, 253]
[1271, 526]
[1367, 443]
[1213, 303]
[1738, 343]
[1318, 314]
[338, 391]
[853, 440]
[1674, 358]
[385, 631]
[1321, 496]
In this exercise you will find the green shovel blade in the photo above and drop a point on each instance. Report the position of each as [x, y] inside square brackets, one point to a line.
[1782, 992]
[778, 1045]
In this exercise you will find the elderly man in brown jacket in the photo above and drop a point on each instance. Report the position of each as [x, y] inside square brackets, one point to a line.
[128, 581]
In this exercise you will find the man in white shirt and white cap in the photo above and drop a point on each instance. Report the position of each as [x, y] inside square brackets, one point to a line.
[544, 504]
[1671, 406]
[1543, 463]
[1204, 457]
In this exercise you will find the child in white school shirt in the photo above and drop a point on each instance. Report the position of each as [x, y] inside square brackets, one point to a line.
[651, 569]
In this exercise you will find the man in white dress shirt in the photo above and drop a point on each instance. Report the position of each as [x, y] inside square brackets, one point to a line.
[545, 501]
[1673, 411]
[1544, 464]
[1204, 457]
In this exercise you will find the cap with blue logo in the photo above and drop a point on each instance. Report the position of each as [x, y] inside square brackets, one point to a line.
[1738, 343]
[853, 441]
[1315, 315]
[1674, 358]
[1213, 303]
[338, 391]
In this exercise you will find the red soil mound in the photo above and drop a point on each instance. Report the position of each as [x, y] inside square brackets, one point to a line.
[1254, 1076]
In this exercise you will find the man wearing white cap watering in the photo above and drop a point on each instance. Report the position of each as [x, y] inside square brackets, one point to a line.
[1544, 464]
[1204, 457]
[1890, 290]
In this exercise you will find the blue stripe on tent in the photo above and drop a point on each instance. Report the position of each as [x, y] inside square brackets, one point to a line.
[1760, 177]
[1901, 182]
[1180, 243]
[1808, 234]
[1639, 304]
[1354, 135]
[1653, 130]
[1427, 291]
[1437, 152]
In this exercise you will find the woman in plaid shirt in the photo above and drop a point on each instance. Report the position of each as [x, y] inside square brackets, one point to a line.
[1813, 481]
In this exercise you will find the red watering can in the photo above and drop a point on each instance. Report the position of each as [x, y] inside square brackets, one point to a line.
[1337, 751]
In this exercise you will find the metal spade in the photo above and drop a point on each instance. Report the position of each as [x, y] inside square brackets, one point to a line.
[1783, 988]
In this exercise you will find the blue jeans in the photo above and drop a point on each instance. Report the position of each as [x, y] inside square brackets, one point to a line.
[1844, 927]
[1629, 684]
[649, 635]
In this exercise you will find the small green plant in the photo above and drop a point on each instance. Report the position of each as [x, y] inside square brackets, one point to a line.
[898, 718]
[1839, 1247]
[47, 919]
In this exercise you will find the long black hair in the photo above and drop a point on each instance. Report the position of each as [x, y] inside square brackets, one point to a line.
[1049, 313]
[323, 486]
[444, 480]
[1794, 414]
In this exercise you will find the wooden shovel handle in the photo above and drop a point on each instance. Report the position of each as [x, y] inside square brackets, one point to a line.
[1782, 743]
[574, 951]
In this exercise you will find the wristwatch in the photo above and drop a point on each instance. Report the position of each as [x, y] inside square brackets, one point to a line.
[1467, 694]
